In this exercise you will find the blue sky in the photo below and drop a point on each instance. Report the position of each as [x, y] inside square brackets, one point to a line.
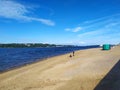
[75, 22]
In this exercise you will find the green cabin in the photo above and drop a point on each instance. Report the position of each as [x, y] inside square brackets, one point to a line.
[106, 47]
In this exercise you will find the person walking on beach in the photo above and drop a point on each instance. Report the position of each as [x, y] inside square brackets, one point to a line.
[73, 53]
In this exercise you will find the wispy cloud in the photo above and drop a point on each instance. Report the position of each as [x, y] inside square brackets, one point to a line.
[14, 10]
[101, 30]
[101, 19]
[96, 24]
[100, 26]
[102, 22]
[76, 29]
[106, 34]
[90, 34]
[112, 24]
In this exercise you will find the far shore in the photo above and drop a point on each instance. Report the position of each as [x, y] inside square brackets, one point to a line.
[84, 71]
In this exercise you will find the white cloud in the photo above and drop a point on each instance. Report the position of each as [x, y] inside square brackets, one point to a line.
[76, 29]
[44, 21]
[14, 10]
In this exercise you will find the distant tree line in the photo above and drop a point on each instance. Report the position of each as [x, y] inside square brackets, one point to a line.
[27, 45]
[15, 45]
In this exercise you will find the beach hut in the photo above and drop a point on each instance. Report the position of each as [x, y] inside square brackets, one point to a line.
[106, 47]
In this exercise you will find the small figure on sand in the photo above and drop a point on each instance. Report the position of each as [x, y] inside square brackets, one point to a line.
[70, 56]
[73, 53]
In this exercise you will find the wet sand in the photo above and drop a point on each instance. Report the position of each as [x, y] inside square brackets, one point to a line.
[84, 71]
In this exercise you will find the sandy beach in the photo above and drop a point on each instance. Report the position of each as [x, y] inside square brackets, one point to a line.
[85, 71]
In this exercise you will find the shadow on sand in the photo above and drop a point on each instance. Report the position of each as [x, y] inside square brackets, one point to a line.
[112, 80]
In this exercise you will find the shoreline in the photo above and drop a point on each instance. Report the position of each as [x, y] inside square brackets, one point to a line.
[39, 60]
[84, 71]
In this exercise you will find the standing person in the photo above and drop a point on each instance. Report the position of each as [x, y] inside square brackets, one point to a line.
[73, 53]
